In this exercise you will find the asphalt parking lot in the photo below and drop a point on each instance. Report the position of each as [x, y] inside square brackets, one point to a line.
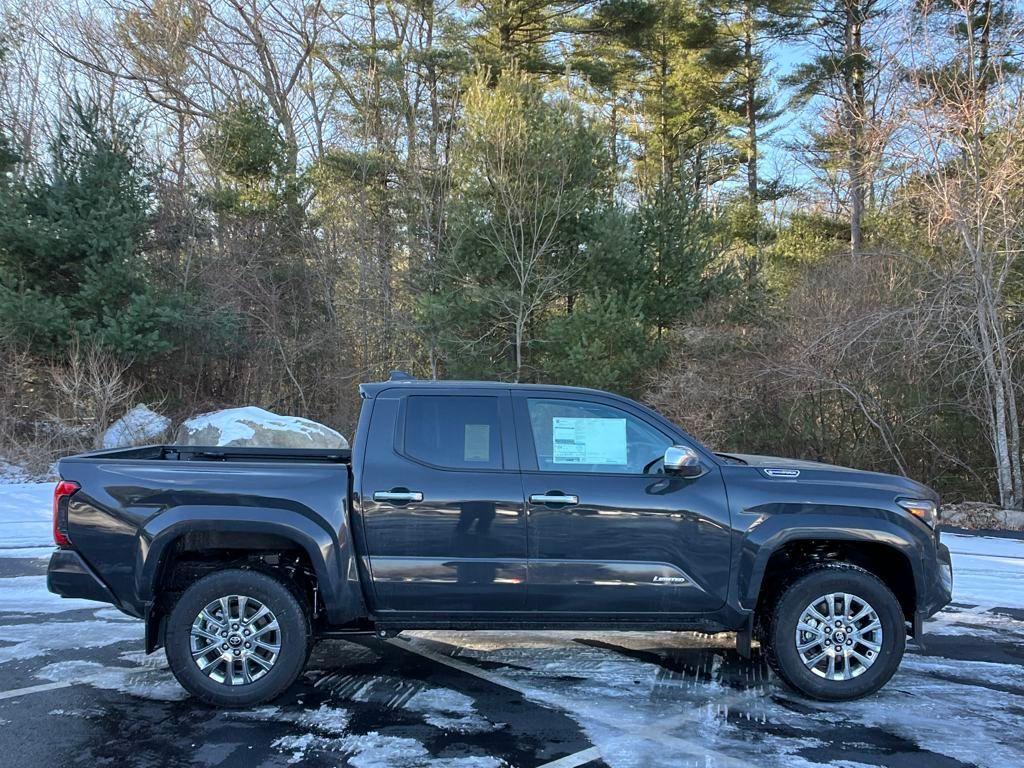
[75, 689]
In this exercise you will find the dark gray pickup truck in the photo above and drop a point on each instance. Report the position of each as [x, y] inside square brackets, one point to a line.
[469, 505]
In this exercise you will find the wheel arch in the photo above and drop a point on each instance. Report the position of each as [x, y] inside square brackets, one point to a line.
[198, 529]
[785, 545]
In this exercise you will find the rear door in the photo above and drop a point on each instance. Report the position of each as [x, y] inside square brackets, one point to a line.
[442, 502]
[609, 532]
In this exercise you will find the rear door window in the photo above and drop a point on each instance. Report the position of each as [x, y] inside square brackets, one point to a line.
[453, 431]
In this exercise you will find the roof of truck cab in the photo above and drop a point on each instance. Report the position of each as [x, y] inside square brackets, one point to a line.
[371, 389]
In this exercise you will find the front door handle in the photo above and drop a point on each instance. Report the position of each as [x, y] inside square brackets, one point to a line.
[552, 497]
[398, 496]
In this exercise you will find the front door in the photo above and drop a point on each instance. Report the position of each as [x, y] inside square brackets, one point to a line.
[443, 504]
[609, 531]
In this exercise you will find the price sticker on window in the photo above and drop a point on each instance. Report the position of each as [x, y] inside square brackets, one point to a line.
[588, 441]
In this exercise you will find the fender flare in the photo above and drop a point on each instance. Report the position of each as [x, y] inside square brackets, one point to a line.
[331, 555]
[845, 524]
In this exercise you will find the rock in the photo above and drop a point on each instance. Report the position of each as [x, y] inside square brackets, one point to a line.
[140, 426]
[980, 515]
[256, 428]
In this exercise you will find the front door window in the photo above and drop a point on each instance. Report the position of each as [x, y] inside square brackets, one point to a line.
[579, 436]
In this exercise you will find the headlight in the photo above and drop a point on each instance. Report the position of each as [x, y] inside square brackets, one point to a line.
[923, 509]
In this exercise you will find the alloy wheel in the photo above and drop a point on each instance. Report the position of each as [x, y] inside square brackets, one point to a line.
[235, 640]
[839, 636]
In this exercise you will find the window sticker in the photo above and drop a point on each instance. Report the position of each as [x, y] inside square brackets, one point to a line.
[477, 443]
[588, 441]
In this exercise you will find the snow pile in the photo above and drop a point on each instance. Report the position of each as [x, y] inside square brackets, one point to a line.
[256, 428]
[26, 517]
[987, 570]
[12, 473]
[137, 427]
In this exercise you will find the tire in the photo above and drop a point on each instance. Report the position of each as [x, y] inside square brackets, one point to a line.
[258, 675]
[869, 657]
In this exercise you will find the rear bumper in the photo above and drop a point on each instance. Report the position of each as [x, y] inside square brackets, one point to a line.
[69, 576]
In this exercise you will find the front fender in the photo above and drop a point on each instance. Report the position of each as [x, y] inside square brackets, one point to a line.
[777, 525]
[330, 553]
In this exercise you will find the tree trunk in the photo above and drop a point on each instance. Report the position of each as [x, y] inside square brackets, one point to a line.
[853, 76]
[751, 99]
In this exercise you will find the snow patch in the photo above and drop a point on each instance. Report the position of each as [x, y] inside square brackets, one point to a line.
[987, 570]
[137, 427]
[28, 594]
[26, 515]
[254, 426]
[448, 710]
[29, 641]
[12, 473]
[297, 745]
[27, 553]
[157, 684]
[375, 750]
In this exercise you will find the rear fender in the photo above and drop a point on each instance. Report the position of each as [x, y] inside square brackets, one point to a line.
[330, 554]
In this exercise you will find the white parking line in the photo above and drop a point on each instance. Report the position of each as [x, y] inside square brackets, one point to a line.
[654, 732]
[462, 666]
[33, 689]
[574, 760]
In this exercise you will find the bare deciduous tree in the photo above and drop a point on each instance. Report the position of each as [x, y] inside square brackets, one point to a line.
[967, 117]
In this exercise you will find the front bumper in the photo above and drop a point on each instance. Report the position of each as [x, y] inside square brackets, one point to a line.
[68, 575]
[938, 590]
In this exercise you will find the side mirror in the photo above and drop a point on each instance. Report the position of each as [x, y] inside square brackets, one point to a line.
[682, 461]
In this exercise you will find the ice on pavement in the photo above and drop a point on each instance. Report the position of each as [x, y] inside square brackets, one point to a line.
[149, 682]
[376, 750]
[448, 710]
[28, 641]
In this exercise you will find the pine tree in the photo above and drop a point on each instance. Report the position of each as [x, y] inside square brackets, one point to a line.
[844, 74]
[70, 242]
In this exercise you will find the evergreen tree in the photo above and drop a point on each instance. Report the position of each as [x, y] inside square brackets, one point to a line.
[523, 32]
[672, 64]
[70, 246]
[753, 29]
[844, 73]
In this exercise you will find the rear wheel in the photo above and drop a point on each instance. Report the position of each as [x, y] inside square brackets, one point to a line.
[237, 638]
[837, 633]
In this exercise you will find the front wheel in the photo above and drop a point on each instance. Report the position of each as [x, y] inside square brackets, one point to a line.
[237, 638]
[837, 633]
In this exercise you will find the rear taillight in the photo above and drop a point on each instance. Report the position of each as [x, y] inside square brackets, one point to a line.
[61, 496]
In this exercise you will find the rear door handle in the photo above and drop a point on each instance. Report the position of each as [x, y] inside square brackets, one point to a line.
[554, 498]
[399, 496]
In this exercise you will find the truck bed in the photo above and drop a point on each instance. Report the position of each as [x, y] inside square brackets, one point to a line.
[217, 453]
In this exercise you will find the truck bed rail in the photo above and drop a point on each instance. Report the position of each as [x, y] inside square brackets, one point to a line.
[220, 453]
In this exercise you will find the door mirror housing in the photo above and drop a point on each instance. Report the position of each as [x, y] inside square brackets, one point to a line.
[682, 461]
